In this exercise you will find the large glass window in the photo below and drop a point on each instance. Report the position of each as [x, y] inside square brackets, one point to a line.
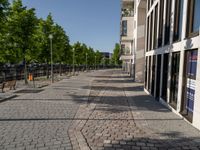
[178, 20]
[174, 79]
[124, 28]
[160, 34]
[193, 18]
[165, 77]
[155, 27]
[196, 23]
[151, 32]
[168, 21]
[189, 83]
[147, 40]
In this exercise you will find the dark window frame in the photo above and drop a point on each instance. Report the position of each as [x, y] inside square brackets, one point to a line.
[124, 27]
[147, 33]
[177, 13]
[155, 27]
[160, 34]
[151, 32]
[168, 22]
[190, 14]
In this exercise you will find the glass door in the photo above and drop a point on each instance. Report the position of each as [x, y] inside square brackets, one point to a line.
[158, 68]
[174, 79]
[189, 82]
[165, 77]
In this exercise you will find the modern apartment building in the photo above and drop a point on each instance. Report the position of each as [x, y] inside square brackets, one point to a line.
[133, 19]
[172, 70]
[126, 37]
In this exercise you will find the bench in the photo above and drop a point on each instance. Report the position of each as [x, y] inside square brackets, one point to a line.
[9, 84]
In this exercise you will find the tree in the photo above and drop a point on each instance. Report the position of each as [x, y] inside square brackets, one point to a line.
[21, 26]
[116, 55]
[99, 57]
[3, 11]
[3, 15]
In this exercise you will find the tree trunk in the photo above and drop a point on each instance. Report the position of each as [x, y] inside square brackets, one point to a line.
[25, 72]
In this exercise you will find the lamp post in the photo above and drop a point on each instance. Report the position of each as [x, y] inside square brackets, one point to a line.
[95, 61]
[86, 61]
[51, 37]
[73, 60]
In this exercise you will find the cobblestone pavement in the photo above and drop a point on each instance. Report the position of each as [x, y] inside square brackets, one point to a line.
[39, 119]
[120, 116]
[102, 110]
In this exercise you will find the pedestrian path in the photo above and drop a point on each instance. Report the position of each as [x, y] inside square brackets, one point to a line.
[98, 110]
[120, 115]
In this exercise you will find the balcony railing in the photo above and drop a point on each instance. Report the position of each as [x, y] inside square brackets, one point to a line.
[127, 13]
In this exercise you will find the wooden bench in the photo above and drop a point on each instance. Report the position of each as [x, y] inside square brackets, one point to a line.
[9, 84]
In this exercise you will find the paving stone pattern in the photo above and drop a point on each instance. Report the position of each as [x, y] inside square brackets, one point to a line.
[41, 120]
[101, 110]
[123, 117]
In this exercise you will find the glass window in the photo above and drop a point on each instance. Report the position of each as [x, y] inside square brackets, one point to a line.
[160, 34]
[147, 40]
[196, 22]
[122, 49]
[155, 27]
[178, 20]
[168, 22]
[124, 28]
[193, 23]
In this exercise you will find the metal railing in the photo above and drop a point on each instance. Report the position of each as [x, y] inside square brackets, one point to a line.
[16, 72]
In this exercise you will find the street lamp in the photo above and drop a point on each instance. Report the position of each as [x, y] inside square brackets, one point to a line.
[73, 60]
[51, 37]
[95, 61]
[86, 61]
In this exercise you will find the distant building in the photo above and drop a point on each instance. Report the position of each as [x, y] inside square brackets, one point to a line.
[106, 55]
[132, 39]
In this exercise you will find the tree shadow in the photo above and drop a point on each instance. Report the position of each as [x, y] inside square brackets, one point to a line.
[115, 88]
[118, 104]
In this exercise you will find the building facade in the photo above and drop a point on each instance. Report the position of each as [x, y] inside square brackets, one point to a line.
[126, 37]
[132, 39]
[172, 58]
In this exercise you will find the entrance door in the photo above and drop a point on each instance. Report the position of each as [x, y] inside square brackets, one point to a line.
[174, 79]
[189, 82]
[165, 77]
[158, 68]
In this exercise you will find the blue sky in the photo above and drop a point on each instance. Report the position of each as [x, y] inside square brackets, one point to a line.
[94, 22]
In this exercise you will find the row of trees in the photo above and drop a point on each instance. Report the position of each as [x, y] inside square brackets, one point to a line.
[24, 39]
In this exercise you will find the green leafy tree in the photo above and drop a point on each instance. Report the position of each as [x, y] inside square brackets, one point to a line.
[99, 57]
[4, 5]
[20, 28]
[116, 55]
[61, 43]
[45, 28]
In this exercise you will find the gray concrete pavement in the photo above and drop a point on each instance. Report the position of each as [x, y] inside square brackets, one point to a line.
[101, 110]
[39, 119]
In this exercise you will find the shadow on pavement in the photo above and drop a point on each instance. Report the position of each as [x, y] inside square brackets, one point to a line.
[170, 141]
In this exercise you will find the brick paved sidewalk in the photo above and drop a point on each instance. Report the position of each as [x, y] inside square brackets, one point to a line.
[120, 116]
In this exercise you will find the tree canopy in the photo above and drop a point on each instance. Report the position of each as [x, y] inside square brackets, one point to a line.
[24, 39]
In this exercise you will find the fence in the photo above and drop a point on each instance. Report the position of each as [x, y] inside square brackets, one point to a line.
[16, 72]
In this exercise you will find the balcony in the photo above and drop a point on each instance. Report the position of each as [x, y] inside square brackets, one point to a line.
[128, 12]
